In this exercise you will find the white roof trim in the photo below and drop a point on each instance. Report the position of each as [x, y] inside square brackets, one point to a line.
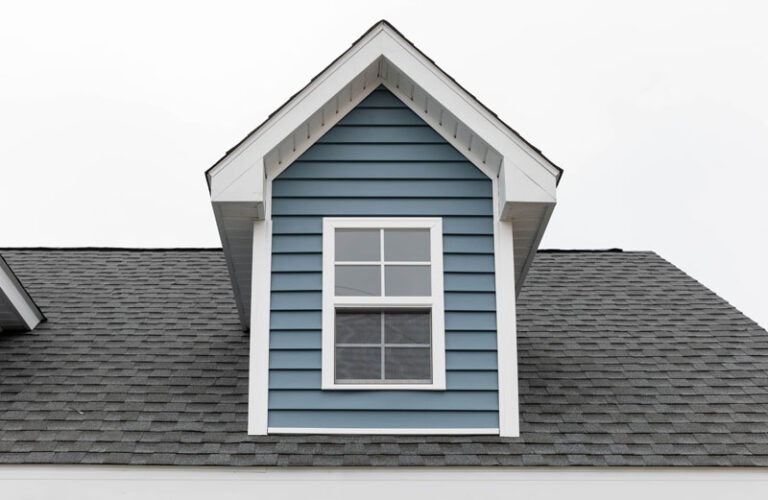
[18, 312]
[382, 56]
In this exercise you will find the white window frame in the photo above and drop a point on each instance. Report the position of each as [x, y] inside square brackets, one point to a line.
[435, 302]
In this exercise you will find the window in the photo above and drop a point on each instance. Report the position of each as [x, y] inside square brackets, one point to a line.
[383, 304]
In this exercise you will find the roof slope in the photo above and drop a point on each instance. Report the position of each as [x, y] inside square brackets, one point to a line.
[624, 360]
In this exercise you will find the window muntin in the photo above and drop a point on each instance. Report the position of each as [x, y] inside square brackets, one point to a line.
[383, 324]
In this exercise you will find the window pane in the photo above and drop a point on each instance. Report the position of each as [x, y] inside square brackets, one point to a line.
[358, 245]
[408, 363]
[406, 328]
[407, 281]
[358, 280]
[358, 363]
[358, 328]
[408, 245]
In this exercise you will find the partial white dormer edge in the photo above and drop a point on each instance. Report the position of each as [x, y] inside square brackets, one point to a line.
[18, 312]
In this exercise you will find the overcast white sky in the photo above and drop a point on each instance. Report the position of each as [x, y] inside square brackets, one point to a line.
[658, 112]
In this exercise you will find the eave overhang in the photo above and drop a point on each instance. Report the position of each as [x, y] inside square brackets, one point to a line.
[526, 180]
[18, 312]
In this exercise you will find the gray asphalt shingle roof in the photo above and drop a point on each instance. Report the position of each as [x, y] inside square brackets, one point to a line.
[624, 360]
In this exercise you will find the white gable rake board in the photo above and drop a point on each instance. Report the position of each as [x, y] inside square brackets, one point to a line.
[382, 133]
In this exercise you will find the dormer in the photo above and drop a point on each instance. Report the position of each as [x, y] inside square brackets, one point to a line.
[376, 229]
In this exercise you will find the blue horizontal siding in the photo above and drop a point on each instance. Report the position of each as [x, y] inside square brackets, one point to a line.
[409, 419]
[382, 160]
[455, 301]
[467, 263]
[468, 244]
[295, 340]
[470, 341]
[382, 152]
[469, 282]
[418, 134]
[381, 170]
[291, 301]
[387, 117]
[382, 207]
[476, 321]
[292, 281]
[297, 262]
[295, 360]
[295, 320]
[383, 400]
[303, 243]
[455, 380]
[462, 226]
[357, 188]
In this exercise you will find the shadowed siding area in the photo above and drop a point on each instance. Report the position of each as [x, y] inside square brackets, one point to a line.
[382, 160]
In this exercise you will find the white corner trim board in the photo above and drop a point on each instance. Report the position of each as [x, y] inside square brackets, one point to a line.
[506, 329]
[96, 482]
[258, 359]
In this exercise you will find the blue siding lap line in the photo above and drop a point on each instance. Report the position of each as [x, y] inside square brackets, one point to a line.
[410, 419]
[382, 160]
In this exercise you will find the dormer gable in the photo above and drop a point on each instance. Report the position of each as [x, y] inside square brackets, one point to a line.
[376, 229]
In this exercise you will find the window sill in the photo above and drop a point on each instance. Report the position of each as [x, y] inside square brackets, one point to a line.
[383, 387]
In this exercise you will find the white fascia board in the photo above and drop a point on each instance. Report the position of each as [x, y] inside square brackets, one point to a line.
[247, 187]
[469, 111]
[515, 187]
[19, 299]
[228, 174]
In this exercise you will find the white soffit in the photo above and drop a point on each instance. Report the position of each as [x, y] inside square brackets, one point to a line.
[382, 56]
[18, 312]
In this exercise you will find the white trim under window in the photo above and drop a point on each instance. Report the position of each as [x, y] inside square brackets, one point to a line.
[376, 296]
